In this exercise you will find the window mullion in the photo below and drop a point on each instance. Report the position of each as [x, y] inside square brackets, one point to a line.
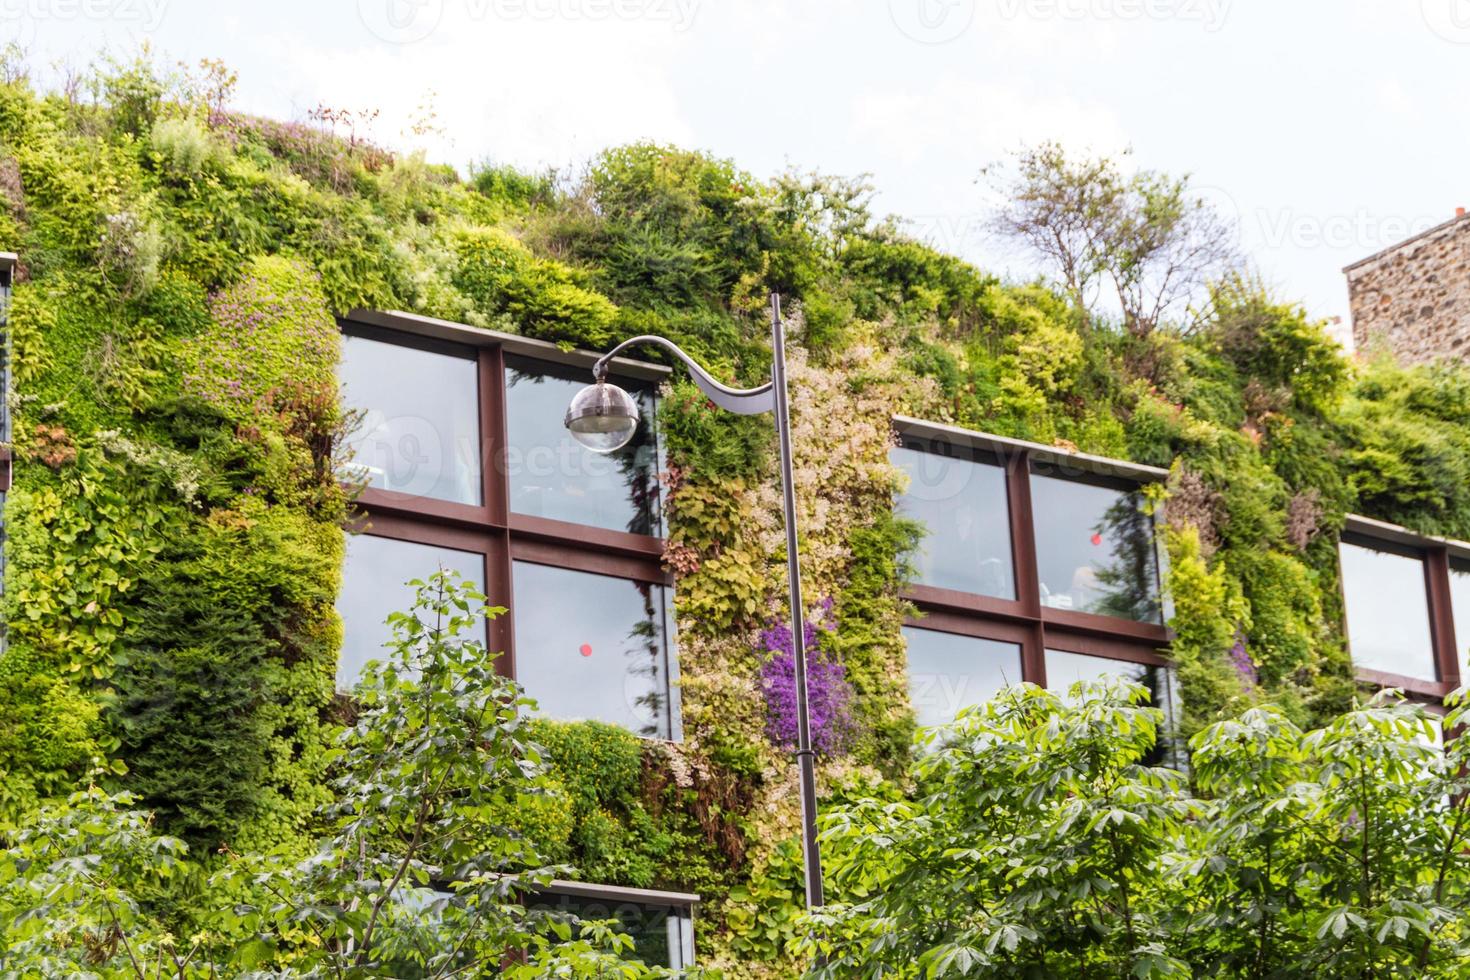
[1441, 615]
[1023, 546]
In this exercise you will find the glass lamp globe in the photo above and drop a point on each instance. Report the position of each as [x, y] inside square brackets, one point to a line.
[602, 417]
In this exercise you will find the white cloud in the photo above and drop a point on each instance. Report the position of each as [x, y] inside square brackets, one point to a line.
[969, 123]
[525, 91]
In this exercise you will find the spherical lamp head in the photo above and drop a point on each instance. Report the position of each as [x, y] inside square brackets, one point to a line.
[602, 417]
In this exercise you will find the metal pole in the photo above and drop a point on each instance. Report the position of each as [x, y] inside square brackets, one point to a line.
[805, 759]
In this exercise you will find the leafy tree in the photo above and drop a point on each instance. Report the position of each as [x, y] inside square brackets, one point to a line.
[1036, 844]
[1158, 245]
[421, 874]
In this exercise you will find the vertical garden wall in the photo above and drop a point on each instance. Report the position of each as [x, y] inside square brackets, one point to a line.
[174, 541]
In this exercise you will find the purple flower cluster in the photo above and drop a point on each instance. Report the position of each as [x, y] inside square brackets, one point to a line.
[829, 695]
[1240, 659]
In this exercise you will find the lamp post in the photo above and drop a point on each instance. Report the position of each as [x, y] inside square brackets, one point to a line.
[603, 417]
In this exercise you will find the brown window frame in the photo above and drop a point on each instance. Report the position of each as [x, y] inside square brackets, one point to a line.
[1025, 620]
[490, 529]
[1437, 555]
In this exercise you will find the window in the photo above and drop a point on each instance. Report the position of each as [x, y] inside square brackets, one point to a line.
[962, 504]
[1095, 549]
[949, 672]
[661, 924]
[1037, 562]
[593, 647]
[1064, 669]
[1387, 611]
[1406, 606]
[551, 476]
[467, 466]
[419, 430]
[374, 584]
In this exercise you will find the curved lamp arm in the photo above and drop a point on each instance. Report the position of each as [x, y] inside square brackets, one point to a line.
[741, 401]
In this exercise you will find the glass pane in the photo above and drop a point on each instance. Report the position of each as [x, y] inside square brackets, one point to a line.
[1387, 612]
[1094, 549]
[948, 672]
[964, 506]
[420, 428]
[659, 932]
[593, 647]
[552, 476]
[1460, 605]
[374, 584]
[1063, 669]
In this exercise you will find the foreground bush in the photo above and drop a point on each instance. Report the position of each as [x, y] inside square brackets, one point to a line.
[420, 875]
[1037, 845]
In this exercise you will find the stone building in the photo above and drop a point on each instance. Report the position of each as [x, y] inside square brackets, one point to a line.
[1415, 296]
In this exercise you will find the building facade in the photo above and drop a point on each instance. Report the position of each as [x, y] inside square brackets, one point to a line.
[1038, 564]
[1414, 297]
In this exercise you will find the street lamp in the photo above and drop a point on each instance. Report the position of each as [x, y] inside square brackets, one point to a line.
[603, 417]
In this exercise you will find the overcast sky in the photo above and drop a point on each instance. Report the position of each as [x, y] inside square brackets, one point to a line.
[1328, 128]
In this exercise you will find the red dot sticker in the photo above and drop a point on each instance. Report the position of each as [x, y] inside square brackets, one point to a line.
[585, 649]
[1097, 539]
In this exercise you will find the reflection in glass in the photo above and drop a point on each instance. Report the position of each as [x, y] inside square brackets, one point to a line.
[374, 578]
[662, 935]
[551, 476]
[948, 672]
[963, 505]
[593, 647]
[1460, 605]
[1095, 549]
[420, 427]
[1387, 612]
[1063, 669]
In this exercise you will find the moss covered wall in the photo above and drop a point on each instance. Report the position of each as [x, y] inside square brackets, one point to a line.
[174, 543]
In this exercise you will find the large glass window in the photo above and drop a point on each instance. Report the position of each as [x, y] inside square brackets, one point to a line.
[1387, 611]
[373, 585]
[586, 645]
[550, 475]
[948, 672]
[1095, 549]
[1081, 545]
[963, 507]
[593, 647]
[419, 431]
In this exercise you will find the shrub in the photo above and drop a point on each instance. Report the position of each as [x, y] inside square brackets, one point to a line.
[1037, 844]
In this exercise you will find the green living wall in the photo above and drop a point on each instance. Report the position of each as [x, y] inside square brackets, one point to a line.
[174, 539]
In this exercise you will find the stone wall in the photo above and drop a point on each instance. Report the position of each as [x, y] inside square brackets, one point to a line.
[1414, 297]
